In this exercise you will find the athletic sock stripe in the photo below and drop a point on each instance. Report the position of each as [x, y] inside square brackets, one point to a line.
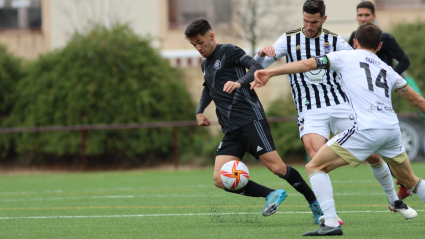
[415, 188]
[263, 136]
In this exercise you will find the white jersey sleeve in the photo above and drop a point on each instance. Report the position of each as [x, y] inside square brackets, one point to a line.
[280, 47]
[342, 44]
[399, 83]
[336, 61]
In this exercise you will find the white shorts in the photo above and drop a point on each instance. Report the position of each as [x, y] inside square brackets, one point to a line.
[355, 146]
[322, 121]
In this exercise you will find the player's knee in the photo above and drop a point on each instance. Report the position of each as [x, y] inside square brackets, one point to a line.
[373, 159]
[309, 167]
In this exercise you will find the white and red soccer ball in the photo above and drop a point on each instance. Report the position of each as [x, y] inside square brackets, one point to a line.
[234, 175]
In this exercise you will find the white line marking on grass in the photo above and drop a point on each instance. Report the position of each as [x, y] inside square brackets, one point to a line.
[161, 196]
[282, 183]
[186, 214]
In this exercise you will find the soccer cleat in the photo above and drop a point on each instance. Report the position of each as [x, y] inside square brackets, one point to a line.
[273, 201]
[322, 221]
[325, 231]
[406, 211]
[317, 212]
[403, 192]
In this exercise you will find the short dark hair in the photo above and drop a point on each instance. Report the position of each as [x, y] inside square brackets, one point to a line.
[197, 26]
[314, 6]
[369, 35]
[367, 4]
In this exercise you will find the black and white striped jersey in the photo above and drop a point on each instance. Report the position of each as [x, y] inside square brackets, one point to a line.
[242, 106]
[314, 89]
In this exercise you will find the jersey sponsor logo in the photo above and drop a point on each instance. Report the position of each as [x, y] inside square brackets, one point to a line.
[380, 107]
[298, 48]
[259, 148]
[327, 47]
[217, 64]
[315, 76]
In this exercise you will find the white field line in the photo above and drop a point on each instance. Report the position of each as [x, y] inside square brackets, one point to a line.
[170, 215]
[159, 196]
[167, 187]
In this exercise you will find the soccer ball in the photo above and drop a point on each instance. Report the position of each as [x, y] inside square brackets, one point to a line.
[234, 175]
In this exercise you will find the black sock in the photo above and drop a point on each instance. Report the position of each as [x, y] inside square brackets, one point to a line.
[294, 178]
[252, 189]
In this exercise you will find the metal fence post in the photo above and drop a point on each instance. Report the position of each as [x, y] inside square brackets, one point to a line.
[175, 148]
[83, 150]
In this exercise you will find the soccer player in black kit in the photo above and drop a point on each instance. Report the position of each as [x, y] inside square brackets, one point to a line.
[390, 50]
[241, 116]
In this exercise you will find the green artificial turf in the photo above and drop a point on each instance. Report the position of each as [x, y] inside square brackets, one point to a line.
[185, 204]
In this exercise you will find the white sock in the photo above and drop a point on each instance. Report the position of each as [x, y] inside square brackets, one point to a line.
[322, 187]
[420, 190]
[382, 173]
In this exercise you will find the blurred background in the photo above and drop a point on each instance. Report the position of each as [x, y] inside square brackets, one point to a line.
[107, 84]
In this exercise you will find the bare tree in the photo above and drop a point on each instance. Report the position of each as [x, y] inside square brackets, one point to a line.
[257, 20]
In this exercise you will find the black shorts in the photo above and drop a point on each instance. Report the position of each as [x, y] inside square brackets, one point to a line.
[254, 138]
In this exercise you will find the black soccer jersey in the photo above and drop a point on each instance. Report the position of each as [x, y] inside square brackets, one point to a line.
[242, 106]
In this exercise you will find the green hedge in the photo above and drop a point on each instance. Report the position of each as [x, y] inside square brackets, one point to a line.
[104, 77]
[286, 134]
[11, 72]
[410, 37]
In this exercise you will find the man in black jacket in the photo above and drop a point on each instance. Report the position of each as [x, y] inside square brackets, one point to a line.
[390, 50]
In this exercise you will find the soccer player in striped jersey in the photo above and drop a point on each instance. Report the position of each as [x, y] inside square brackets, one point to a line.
[368, 83]
[318, 95]
[241, 117]
[390, 50]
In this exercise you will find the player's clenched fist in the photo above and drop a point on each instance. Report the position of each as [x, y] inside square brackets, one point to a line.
[202, 120]
[267, 51]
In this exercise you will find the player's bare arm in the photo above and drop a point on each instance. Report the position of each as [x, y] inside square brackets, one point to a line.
[202, 120]
[263, 76]
[413, 97]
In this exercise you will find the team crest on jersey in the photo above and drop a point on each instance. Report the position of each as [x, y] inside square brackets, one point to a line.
[217, 64]
[327, 47]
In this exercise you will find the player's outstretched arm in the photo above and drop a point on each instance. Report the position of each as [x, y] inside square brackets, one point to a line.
[413, 97]
[263, 76]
